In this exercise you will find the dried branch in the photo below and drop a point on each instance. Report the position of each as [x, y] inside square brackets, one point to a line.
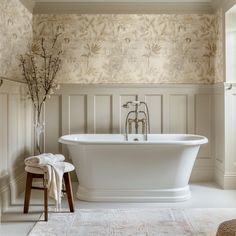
[39, 69]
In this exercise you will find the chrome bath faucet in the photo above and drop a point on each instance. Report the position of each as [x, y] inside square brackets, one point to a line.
[140, 117]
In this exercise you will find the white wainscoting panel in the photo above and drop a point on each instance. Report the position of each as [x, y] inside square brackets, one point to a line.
[78, 113]
[3, 135]
[178, 114]
[155, 106]
[16, 141]
[98, 109]
[232, 114]
[203, 122]
[103, 114]
[230, 137]
[53, 123]
[224, 111]
[219, 127]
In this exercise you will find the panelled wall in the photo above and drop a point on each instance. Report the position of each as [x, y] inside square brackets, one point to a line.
[225, 129]
[219, 132]
[98, 109]
[15, 139]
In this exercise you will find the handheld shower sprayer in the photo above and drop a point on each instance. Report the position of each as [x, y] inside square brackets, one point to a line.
[133, 103]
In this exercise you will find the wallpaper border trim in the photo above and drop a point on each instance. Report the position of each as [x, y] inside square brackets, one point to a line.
[29, 4]
[121, 8]
[225, 4]
[13, 80]
[135, 85]
[140, 85]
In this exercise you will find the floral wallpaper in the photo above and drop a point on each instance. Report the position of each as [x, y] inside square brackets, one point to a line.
[219, 58]
[135, 48]
[16, 35]
[119, 48]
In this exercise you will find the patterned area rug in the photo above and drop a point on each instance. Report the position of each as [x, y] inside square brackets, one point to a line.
[138, 222]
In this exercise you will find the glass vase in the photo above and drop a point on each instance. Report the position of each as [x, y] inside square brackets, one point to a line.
[39, 130]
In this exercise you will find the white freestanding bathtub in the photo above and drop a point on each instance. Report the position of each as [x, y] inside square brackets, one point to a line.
[112, 169]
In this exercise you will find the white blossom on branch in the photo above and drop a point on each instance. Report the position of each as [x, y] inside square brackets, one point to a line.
[40, 66]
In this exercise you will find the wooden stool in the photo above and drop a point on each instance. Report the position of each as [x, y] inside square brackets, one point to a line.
[227, 228]
[34, 172]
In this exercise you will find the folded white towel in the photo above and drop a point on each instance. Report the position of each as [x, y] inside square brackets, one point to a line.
[54, 166]
[55, 175]
[44, 159]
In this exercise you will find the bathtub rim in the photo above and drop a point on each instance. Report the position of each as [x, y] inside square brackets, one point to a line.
[201, 140]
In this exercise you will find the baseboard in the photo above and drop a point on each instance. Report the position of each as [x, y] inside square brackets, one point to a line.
[226, 181]
[10, 192]
[202, 175]
[229, 182]
[219, 177]
[17, 186]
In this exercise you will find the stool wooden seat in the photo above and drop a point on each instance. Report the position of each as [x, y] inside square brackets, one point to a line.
[227, 228]
[34, 172]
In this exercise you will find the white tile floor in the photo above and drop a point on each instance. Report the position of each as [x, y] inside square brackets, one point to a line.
[204, 195]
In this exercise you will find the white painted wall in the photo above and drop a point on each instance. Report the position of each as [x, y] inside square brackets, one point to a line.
[230, 138]
[231, 55]
[219, 133]
[230, 30]
[224, 111]
[15, 140]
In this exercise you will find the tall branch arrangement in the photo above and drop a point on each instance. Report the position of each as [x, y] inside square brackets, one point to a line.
[40, 66]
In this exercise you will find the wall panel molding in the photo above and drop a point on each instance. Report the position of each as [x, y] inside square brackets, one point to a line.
[98, 109]
[103, 113]
[224, 111]
[178, 113]
[229, 160]
[15, 139]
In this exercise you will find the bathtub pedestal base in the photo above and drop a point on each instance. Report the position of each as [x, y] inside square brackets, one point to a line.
[134, 195]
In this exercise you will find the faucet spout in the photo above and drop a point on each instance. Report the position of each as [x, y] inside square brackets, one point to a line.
[137, 119]
[145, 125]
[128, 123]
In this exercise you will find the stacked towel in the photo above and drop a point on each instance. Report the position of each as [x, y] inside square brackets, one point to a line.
[55, 167]
[44, 159]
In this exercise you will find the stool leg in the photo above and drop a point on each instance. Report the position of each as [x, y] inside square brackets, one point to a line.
[28, 186]
[69, 192]
[45, 200]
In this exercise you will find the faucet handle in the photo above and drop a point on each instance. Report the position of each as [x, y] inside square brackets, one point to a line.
[125, 105]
